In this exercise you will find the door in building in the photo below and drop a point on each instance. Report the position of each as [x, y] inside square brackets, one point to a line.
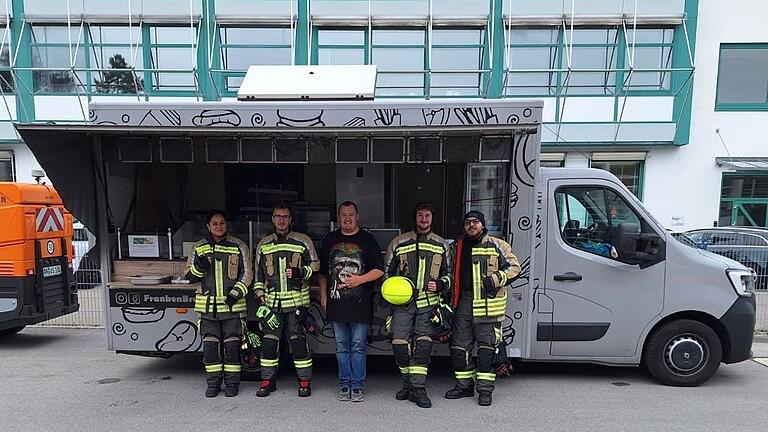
[413, 184]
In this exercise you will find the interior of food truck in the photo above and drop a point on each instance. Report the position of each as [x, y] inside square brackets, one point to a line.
[161, 181]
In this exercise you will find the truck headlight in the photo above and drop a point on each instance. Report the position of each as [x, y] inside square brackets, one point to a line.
[743, 281]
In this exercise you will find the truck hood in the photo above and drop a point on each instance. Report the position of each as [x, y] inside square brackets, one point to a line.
[726, 262]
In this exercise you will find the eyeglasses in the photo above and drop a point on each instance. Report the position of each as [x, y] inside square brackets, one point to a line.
[281, 217]
[469, 222]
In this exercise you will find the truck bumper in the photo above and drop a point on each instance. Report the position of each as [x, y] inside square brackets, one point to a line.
[739, 323]
[34, 306]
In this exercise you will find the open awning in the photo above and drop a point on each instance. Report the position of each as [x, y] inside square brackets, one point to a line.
[743, 163]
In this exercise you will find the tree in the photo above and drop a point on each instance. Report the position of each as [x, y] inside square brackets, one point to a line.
[118, 81]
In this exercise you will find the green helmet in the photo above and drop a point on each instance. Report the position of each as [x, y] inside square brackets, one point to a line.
[397, 290]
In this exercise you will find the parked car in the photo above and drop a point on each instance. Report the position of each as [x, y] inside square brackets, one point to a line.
[86, 268]
[747, 245]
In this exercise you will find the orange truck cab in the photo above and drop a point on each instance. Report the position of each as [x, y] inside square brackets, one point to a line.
[36, 281]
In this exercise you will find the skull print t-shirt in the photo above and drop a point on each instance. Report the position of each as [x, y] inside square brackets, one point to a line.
[343, 255]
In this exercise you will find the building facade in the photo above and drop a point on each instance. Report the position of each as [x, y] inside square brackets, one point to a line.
[668, 95]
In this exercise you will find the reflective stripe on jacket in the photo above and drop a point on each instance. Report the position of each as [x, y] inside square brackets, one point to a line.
[230, 271]
[420, 258]
[276, 253]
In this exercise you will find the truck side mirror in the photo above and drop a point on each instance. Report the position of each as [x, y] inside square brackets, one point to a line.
[626, 241]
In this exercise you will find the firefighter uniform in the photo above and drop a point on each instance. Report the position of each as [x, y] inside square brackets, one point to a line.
[483, 268]
[421, 258]
[220, 300]
[274, 254]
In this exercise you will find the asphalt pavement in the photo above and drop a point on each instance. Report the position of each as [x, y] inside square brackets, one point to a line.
[56, 379]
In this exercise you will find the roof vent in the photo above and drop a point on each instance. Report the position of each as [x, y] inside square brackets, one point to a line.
[325, 82]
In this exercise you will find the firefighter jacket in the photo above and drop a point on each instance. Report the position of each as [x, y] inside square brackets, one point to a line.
[276, 253]
[490, 257]
[229, 272]
[420, 258]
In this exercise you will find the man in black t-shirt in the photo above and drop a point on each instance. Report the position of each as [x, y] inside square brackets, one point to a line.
[350, 261]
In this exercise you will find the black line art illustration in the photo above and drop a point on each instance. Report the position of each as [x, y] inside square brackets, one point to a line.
[257, 120]
[139, 315]
[513, 119]
[285, 121]
[476, 116]
[125, 118]
[118, 328]
[524, 162]
[524, 223]
[92, 116]
[161, 118]
[527, 112]
[107, 122]
[181, 337]
[387, 117]
[439, 116]
[216, 118]
[355, 122]
[134, 336]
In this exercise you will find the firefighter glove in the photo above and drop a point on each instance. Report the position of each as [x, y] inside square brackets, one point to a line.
[267, 317]
[298, 273]
[232, 298]
[489, 287]
[202, 262]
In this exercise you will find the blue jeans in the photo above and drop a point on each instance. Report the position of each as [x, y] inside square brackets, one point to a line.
[351, 346]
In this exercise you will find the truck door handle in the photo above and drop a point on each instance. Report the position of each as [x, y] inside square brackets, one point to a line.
[569, 276]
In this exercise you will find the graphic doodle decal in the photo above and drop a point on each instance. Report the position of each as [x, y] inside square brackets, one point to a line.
[125, 118]
[216, 118]
[513, 119]
[161, 118]
[92, 115]
[535, 286]
[140, 315]
[118, 328]
[513, 196]
[355, 122]
[107, 122]
[257, 120]
[525, 272]
[524, 161]
[476, 116]
[182, 337]
[439, 116]
[387, 117]
[285, 121]
[524, 223]
[527, 112]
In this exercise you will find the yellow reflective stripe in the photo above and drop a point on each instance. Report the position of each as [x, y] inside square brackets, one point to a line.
[486, 376]
[241, 286]
[405, 249]
[219, 279]
[213, 368]
[426, 299]
[195, 271]
[464, 374]
[404, 370]
[300, 364]
[281, 273]
[476, 283]
[503, 277]
[307, 272]
[432, 248]
[485, 251]
[420, 276]
[446, 279]
[259, 285]
[417, 370]
[234, 250]
[203, 249]
[268, 362]
[232, 368]
[491, 302]
[270, 248]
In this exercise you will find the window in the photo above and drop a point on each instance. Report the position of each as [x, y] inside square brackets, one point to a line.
[245, 46]
[653, 50]
[7, 169]
[457, 50]
[488, 194]
[341, 46]
[594, 49]
[629, 172]
[111, 58]
[6, 77]
[51, 49]
[742, 82]
[399, 55]
[589, 216]
[744, 200]
[172, 58]
[534, 50]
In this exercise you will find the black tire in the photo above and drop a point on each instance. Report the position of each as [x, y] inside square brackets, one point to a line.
[12, 330]
[683, 353]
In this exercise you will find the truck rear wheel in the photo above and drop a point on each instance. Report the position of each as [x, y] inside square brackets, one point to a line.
[683, 353]
[12, 330]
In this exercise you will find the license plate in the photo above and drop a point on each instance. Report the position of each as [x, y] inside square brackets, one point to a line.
[51, 271]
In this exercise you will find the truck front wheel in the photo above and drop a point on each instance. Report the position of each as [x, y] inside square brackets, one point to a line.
[683, 353]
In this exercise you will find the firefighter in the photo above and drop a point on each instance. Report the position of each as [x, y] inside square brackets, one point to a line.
[285, 260]
[483, 266]
[223, 266]
[421, 256]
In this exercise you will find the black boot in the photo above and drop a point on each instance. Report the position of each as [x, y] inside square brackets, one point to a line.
[231, 390]
[402, 394]
[484, 398]
[212, 390]
[459, 392]
[304, 388]
[420, 398]
[267, 387]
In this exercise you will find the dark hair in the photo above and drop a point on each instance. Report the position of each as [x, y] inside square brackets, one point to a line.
[348, 204]
[424, 205]
[282, 206]
[214, 213]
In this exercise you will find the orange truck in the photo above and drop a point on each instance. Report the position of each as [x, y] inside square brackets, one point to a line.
[36, 281]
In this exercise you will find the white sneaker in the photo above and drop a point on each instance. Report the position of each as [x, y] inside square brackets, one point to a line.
[357, 395]
[344, 394]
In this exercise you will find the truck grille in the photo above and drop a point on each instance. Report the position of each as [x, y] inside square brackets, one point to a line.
[54, 292]
[6, 268]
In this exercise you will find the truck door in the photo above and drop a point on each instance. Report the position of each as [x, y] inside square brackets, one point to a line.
[600, 304]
